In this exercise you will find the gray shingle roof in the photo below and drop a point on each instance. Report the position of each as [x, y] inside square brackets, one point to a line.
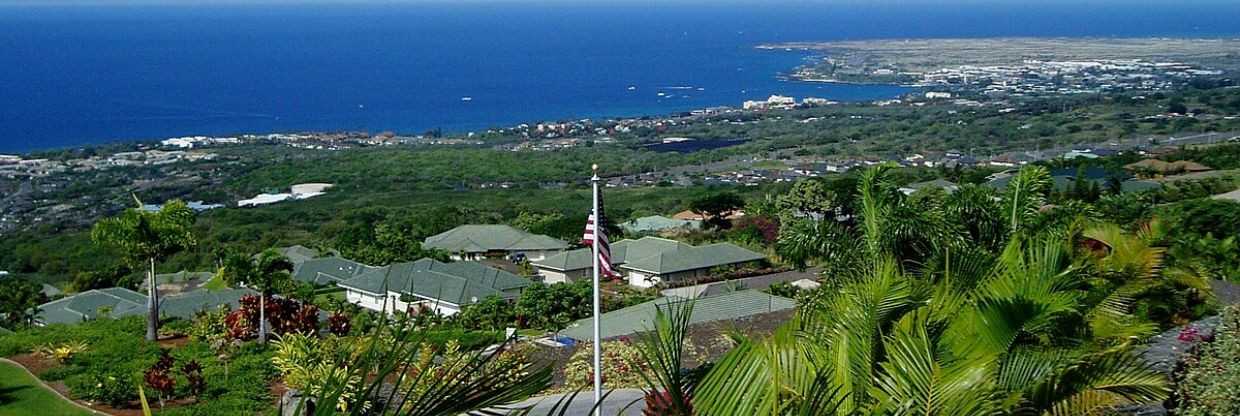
[937, 183]
[328, 270]
[640, 317]
[298, 254]
[124, 302]
[656, 255]
[484, 238]
[458, 283]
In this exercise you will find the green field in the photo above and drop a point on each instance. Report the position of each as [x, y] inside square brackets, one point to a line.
[21, 394]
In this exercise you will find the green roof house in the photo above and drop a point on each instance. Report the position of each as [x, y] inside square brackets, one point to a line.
[640, 317]
[658, 223]
[441, 287]
[946, 185]
[299, 254]
[474, 242]
[648, 261]
[118, 302]
[324, 271]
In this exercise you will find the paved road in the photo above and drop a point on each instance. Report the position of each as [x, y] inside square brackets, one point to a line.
[584, 402]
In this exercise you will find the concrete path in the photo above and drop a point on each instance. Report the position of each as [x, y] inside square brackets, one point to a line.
[583, 403]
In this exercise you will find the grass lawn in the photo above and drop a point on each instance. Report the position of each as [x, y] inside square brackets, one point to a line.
[21, 394]
[770, 164]
[323, 298]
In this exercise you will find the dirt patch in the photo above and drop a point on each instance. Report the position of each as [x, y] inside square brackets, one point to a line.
[35, 363]
[173, 342]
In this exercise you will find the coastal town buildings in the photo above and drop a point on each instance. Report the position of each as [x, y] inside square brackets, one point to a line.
[296, 192]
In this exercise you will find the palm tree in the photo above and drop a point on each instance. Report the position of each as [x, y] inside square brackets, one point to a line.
[970, 331]
[890, 343]
[265, 272]
[143, 238]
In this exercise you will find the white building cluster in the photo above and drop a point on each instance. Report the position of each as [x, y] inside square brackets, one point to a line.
[296, 192]
[189, 142]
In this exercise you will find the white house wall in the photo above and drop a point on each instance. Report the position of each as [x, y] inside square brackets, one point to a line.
[554, 276]
[376, 303]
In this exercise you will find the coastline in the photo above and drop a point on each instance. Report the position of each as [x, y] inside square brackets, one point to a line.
[467, 132]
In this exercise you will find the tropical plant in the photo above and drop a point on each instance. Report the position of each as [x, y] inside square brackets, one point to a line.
[621, 361]
[266, 272]
[143, 238]
[394, 369]
[1021, 330]
[62, 353]
[1211, 375]
[159, 377]
[669, 389]
[19, 301]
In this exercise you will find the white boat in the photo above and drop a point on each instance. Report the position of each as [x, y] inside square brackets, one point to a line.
[467, 98]
[632, 88]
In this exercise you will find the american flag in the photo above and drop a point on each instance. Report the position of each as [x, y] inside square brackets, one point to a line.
[604, 248]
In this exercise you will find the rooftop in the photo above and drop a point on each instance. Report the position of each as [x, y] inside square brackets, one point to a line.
[491, 237]
[328, 270]
[121, 302]
[458, 283]
[640, 317]
[656, 255]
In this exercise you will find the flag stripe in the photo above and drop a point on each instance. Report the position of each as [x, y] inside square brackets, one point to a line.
[593, 232]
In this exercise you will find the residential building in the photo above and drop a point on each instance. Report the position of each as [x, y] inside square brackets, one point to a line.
[761, 282]
[196, 206]
[648, 261]
[640, 318]
[946, 185]
[429, 285]
[689, 215]
[297, 192]
[298, 254]
[1158, 167]
[475, 242]
[323, 271]
[119, 302]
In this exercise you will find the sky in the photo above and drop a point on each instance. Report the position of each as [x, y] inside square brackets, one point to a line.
[1133, 3]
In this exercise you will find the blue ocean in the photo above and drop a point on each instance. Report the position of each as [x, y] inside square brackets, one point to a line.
[74, 74]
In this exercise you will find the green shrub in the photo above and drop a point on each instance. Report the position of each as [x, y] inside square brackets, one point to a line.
[469, 340]
[111, 368]
[209, 326]
[622, 365]
[115, 388]
[175, 327]
[92, 333]
[1211, 379]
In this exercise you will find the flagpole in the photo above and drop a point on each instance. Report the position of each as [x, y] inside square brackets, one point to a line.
[598, 369]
